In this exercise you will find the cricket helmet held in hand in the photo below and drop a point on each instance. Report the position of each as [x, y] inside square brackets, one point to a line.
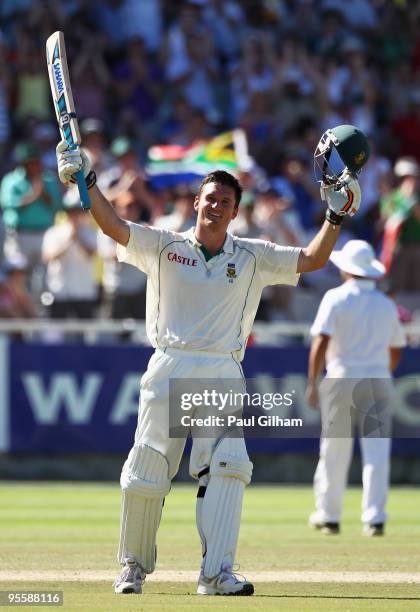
[342, 147]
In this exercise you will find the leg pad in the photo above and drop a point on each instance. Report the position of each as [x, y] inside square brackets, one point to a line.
[144, 484]
[219, 511]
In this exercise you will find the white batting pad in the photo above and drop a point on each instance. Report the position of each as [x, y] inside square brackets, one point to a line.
[144, 483]
[219, 511]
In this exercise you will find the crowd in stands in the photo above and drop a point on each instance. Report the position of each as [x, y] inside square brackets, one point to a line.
[162, 72]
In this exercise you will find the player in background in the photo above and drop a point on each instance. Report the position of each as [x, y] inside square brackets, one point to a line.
[358, 334]
[203, 290]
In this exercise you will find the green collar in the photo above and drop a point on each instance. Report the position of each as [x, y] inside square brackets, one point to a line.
[207, 254]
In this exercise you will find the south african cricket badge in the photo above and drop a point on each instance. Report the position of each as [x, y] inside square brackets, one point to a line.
[231, 272]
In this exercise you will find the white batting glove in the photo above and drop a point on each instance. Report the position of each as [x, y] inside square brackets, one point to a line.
[71, 161]
[344, 197]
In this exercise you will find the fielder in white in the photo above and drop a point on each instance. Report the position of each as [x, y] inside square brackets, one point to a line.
[358, 334]
[203, 290]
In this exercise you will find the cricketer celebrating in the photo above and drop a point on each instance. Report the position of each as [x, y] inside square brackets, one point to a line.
[203, 290]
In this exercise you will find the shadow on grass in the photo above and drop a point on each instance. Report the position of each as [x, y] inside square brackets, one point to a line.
[343, 597]
[286, 596]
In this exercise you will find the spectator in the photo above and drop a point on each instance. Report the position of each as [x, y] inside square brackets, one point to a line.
[253, 73]
[195, 77]
[175, 121]
[195, 129]
[183, 216]
[376, 179]
[30, 197]
[128, 175]
[68, 250]
[350, 88]
[15, 299]
[95, 144]
[91, 78]
[33, 89]
[280, 224]
[259, 123]
[186, 25]
[298, 85]
[45, 138]
[225, 19]
[138, 85]
[278, 219]
[375, 182]
[401, 211]
[124, 285]
[121, 20]
[332, 30]
[245, 224]
[298, 184]
[406, 127]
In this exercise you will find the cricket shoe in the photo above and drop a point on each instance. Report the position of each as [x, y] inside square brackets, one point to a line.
[374, 530]
[225, 583]
[329, 528]
[325, 527]
[131, 578]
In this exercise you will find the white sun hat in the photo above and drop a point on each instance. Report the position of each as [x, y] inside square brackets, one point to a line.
[406, 166]
[358, 257]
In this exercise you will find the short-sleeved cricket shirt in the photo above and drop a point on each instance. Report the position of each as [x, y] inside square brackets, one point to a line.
[362, 324]
[205, 306]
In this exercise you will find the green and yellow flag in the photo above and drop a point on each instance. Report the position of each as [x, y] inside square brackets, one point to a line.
[173, 164]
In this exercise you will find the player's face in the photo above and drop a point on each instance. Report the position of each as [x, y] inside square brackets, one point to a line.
[216, 206]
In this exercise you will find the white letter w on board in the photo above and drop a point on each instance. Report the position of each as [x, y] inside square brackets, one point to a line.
[63, 392]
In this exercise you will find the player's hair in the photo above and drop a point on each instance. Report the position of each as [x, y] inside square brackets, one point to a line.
[224, 178]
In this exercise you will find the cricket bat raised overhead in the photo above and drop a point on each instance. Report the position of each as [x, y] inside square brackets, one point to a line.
[63, 103]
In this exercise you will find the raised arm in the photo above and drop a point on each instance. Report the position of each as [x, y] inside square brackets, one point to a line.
[69, 162]
[318, 252]
[342, 199]
[105, 216]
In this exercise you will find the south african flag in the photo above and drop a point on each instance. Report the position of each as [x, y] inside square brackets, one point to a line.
[170, 165]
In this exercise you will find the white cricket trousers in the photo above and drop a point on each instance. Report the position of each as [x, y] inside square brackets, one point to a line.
[153, 421]
[341, 408]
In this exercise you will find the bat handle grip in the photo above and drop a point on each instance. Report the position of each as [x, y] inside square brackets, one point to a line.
[83, 191]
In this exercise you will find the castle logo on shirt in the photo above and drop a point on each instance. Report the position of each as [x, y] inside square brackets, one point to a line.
[185, 261]
[231, 272]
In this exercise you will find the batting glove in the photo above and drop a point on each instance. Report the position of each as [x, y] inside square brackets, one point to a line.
[70, 161]
[343, 198]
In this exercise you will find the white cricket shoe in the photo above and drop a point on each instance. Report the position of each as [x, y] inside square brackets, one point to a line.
[131, 578]
[225, 583]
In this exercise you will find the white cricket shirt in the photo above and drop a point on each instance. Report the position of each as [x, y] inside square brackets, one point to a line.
[204, 306]
[362, 324]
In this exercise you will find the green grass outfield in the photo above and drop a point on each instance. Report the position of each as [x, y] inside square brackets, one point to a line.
[51, 534]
